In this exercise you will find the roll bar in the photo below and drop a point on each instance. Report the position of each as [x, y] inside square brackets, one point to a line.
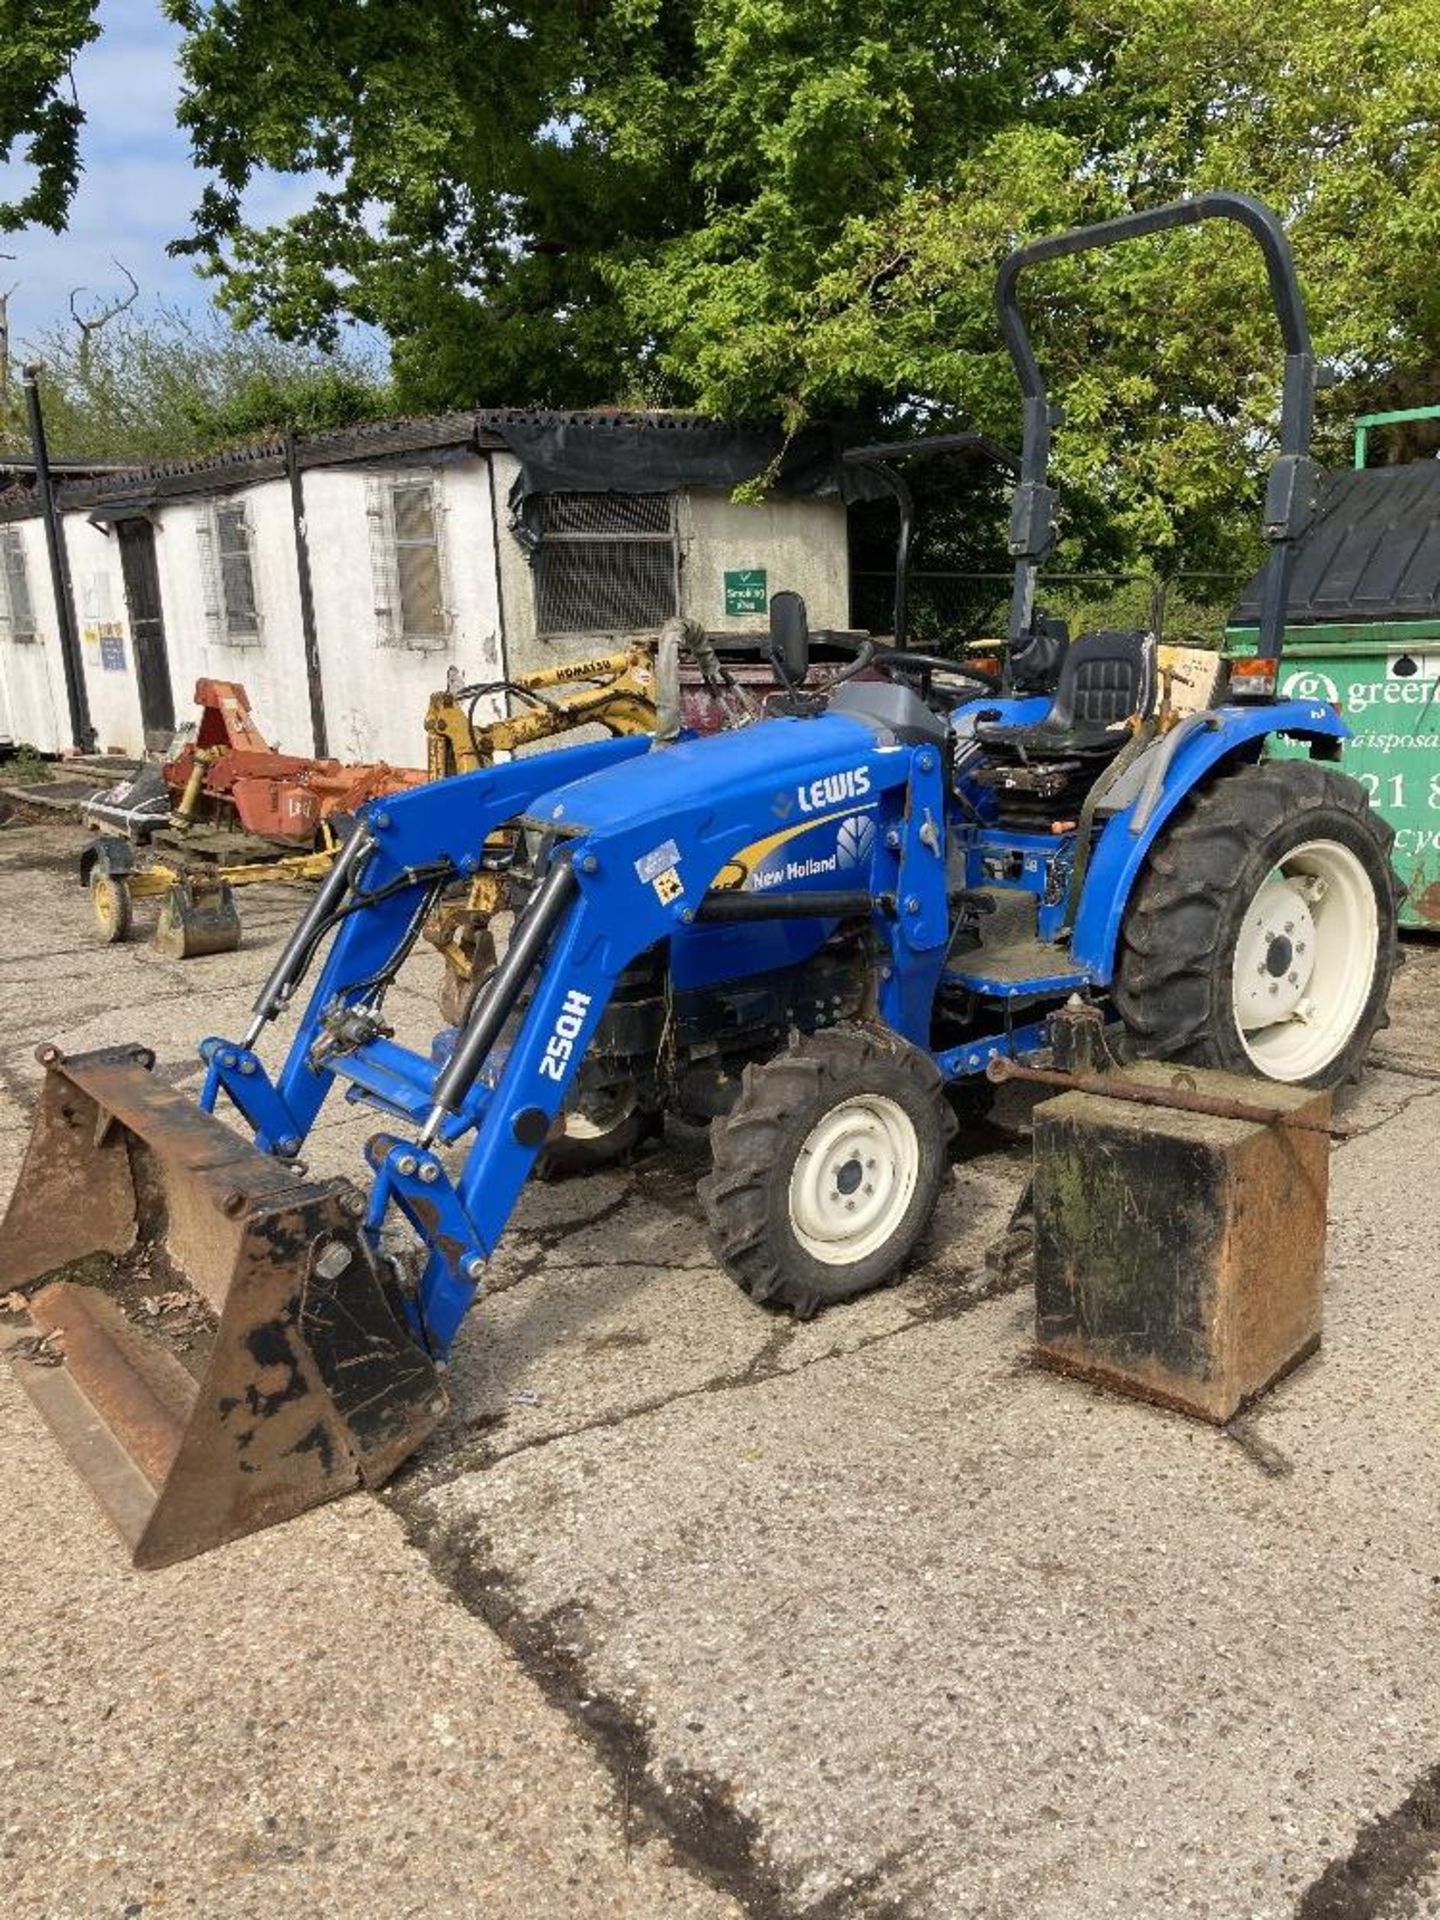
[890, 450]
[1293, 486]
[884, 457]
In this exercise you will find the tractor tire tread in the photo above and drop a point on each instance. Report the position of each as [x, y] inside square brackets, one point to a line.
[1167, 978]
[749, 1143]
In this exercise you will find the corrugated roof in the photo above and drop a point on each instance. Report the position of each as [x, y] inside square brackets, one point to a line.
[368, 440]
[65, 463]
[1372, 554]
[595, 416]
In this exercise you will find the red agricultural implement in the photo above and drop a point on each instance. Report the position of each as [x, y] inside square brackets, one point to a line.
[228, 777]
[225, 810]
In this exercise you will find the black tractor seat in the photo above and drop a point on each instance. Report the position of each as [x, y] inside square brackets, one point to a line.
[1107, 680]
[1043, 773]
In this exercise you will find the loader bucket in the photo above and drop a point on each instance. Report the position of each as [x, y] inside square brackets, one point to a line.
[291, 1379]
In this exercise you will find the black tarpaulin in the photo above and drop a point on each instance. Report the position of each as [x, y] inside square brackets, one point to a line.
[660, 453]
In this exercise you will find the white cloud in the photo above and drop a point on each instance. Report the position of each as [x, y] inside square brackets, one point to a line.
[138, 186]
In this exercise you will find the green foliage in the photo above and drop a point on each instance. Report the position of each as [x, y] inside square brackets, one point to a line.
[475, 180]
[24, 765]
[38, 111]
[168, 385]
[797, 207]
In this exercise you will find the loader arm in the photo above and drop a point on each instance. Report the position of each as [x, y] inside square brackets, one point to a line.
[318, 1371]
[605, 913]
[374, 909]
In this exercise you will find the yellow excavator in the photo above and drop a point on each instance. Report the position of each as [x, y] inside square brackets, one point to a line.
[613, 691]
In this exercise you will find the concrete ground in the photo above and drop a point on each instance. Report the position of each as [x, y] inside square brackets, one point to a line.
[691, 1610]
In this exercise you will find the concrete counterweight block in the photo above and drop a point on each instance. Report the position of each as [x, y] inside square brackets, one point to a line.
[1178, 1257]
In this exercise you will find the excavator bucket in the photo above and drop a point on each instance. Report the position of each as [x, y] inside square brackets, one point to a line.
[206, 1332]
[197, 916]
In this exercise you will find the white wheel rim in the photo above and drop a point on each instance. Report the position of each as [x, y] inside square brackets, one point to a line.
[590, 1126]
[1305, 961]
[853, 1179]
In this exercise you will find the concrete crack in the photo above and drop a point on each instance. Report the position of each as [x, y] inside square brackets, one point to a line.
[1407, 1069]
[763, 1366]
[1420, 1094]
[693, 1813]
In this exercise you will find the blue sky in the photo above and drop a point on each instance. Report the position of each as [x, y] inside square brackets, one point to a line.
[138, 186]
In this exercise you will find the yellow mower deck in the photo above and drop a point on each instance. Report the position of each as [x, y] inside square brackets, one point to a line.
[310, 1387]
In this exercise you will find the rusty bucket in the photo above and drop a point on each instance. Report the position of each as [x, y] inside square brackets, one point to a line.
[290, 1379]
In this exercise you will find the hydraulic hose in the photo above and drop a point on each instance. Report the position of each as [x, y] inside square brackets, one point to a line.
[295, 955]
[667, 683]
[498, 998]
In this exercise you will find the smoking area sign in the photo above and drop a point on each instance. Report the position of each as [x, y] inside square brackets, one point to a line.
[745, 590]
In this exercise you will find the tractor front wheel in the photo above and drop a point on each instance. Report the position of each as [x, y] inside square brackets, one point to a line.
[111, 904]
[1261, 936]
[827, 1168]
[597, 1132]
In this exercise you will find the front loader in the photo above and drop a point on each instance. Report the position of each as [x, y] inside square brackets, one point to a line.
[812, 931]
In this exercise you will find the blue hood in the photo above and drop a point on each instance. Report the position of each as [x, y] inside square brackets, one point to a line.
[716, 767]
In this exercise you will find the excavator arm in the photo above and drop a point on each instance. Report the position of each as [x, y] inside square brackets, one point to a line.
[613, 690]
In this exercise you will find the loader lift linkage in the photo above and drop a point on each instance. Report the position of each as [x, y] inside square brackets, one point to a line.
[806, 930]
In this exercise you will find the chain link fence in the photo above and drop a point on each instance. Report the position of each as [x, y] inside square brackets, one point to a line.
[948, 608]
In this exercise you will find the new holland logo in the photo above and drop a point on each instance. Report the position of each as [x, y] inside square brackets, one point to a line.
[855, 842]
[852, 784]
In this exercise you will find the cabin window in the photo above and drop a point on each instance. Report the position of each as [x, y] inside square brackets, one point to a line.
[227, 565]
[606, 562]
[407, 515]
[17, 609]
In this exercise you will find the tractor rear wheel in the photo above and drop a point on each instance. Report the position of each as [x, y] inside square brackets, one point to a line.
[827, 1168]
[1261, 936]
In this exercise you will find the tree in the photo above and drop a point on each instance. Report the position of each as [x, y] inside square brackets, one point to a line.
[1164, 352]
[797, 207]
[494, 174]
[100, 314]
[161, 385]
[39, 113]
[475, 182]
[7, 294]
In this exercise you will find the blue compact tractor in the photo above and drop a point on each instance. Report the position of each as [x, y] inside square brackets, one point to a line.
[813, 932]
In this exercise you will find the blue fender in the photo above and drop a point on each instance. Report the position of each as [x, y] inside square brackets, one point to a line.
[1121, 849]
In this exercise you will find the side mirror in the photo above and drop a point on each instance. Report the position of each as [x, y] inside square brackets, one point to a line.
[789, 639]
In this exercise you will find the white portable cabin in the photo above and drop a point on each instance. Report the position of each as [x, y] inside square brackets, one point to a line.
[492, 543]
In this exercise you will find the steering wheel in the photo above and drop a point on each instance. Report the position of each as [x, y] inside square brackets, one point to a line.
[925, 666]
